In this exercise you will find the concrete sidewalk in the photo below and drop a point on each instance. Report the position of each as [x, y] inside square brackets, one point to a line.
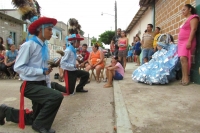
[143, 108]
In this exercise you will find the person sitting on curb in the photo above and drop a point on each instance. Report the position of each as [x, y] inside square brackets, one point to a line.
[114, 71]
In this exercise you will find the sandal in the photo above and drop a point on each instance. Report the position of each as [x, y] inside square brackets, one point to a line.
[107, 86]
[105, 80]
[185, 83]
[98, 81]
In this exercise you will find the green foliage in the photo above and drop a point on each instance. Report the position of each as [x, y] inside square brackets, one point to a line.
[93, 40]
[82, 32]
[107, 36]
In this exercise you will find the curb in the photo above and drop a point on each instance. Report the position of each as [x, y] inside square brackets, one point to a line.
[123, 124]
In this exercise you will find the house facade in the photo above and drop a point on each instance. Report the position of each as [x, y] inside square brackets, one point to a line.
[58, 39]
[139, 23]
[10, 25]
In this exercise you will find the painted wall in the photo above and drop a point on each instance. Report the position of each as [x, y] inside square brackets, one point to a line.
[141, 25]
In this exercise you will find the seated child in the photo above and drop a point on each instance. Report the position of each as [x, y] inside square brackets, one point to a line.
[114, 71]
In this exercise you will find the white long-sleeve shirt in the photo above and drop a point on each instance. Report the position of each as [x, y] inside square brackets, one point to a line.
[29, 63]
[68, 61]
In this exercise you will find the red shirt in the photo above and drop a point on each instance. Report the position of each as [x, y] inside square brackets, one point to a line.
[85, 55]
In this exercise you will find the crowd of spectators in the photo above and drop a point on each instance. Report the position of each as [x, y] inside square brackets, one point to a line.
[7, 58]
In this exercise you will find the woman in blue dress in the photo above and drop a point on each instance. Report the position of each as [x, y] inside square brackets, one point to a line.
[162, 67]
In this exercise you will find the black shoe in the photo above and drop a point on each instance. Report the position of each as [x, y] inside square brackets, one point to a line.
[3, 108]
[55, 76]
[82, 90]
[42, 130]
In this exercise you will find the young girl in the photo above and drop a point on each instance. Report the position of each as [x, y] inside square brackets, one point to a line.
[114, 71]
[137, 50]
[123, 43]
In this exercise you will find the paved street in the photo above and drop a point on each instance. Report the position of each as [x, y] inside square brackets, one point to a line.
[171, 108]
[91, 112]
[138, 108]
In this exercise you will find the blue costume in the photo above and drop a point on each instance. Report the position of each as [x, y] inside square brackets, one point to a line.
[161, 68]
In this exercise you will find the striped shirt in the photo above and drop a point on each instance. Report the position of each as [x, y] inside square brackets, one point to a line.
[148, 39]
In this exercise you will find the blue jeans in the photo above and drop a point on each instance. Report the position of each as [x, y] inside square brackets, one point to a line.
[147, 53]
[118, 76]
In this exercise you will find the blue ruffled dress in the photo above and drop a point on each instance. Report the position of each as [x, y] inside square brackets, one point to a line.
[160, 69]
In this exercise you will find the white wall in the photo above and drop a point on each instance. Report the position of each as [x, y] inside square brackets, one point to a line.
[14, 13]
[141, 25]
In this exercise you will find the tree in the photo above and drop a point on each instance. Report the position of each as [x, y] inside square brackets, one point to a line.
[82, 32]
[107, 36]
[93, 40]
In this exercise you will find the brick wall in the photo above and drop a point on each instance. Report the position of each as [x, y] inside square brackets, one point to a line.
[169, 17]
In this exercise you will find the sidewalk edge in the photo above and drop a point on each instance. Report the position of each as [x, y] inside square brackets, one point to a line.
[123, 124]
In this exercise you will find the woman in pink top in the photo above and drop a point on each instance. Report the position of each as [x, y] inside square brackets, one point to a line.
[187, 41]
[123, 43]
[114, 71]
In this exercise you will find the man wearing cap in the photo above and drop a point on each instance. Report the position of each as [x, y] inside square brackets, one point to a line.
[68, 63]
[32, 66]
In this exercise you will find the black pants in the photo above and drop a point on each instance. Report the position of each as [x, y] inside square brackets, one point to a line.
[45, 104]
[11, 69]
[56, 86]
[73, 75]
[4, 69]
[116, 52]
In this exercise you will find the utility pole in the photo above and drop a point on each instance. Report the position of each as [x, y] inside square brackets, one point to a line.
[88, 40]
[115, 18]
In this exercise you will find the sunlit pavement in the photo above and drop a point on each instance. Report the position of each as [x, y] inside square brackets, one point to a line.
[135, 107]
[91, 112]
